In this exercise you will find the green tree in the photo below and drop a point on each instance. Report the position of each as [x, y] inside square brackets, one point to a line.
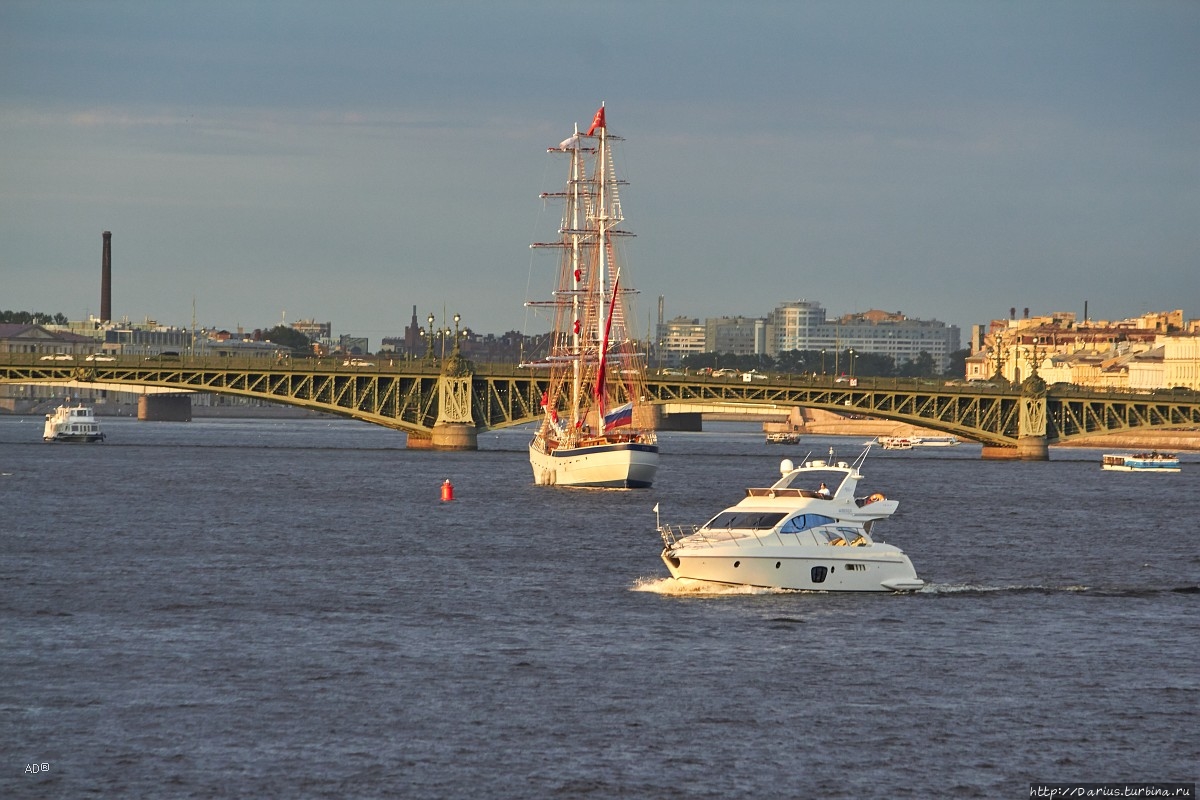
[920, 367]
[282, 335]
[958, 363]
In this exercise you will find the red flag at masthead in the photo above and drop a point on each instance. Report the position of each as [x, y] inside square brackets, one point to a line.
[597, 121]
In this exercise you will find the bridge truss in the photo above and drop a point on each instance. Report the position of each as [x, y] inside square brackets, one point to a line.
[410, 396]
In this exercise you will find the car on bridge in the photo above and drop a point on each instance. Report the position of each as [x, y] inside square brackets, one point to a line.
[357, 362]
[58, 357]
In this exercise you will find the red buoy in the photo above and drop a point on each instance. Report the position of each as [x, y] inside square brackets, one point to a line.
[447, 491]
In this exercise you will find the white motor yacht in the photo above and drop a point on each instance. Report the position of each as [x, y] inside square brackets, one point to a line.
[796, 534]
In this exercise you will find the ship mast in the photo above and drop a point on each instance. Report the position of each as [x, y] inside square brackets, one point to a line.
[600, 175]
[573, 206]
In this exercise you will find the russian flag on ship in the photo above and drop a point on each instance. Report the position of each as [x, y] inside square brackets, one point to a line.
[621, 415]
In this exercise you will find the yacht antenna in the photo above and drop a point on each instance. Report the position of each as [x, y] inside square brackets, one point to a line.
[859, 461]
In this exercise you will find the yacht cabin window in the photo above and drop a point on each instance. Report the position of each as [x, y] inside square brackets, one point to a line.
[746, 520]
[802, 522]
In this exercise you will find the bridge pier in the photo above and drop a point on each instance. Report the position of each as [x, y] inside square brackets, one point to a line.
[1033, 448]
[1029, 448]
[165, 408]
[445, 436]
[692, 423]
[454, 436]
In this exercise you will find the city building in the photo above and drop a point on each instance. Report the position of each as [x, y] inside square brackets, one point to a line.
[739, 336]
[802, 325]
[678, 338]
[1152, 351]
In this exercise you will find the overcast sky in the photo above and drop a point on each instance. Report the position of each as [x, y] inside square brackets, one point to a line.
[345, 161]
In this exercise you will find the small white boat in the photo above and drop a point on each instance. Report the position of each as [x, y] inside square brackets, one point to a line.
[896, 443]
[783, 437]
[1153, 461]
[72, 424]
[790, 535]
[935, 441]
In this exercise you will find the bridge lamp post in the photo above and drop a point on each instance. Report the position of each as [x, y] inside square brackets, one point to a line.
[822, 362]
[999, 346]
[1033, 356]
[457, 333]
[429, 332]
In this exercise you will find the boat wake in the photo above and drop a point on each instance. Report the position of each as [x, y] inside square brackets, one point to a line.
[686, 587]
[1098, 591]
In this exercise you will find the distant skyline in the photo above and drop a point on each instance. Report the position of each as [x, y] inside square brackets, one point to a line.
[347, 161]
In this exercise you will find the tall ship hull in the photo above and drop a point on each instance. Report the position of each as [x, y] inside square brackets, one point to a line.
[594, 430]
[622, 465]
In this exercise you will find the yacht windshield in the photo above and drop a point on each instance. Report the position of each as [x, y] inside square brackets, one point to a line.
[802, 522]
[745, 520]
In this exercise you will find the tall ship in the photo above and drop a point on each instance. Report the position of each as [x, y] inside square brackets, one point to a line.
[72, 424]
[596, 428]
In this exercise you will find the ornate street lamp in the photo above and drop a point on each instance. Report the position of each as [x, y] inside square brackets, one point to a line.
[429, 331]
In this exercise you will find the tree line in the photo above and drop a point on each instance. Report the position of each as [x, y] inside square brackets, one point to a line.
[32, 318]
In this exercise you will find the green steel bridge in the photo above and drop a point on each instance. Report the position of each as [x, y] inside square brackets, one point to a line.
[426, 400]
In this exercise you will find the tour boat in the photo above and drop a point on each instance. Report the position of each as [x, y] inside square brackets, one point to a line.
[596, 429]
[783, 437]
[1153, 461]
[896, 443]
[796, 534]
[935, 441]
[72, 424]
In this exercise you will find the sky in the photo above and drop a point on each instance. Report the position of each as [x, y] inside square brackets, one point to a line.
[260, 162]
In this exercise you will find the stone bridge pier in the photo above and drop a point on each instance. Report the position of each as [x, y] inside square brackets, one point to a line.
[1031, 431]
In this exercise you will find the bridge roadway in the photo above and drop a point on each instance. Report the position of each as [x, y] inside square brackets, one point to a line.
[445, 409]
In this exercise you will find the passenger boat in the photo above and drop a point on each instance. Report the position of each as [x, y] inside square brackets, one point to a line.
[783, 437]
[1153, 461]
[935, 441]
[594, 430]
[896, 443]
[790, 535]
[72, 424]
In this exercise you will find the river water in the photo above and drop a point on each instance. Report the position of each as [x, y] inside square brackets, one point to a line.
[286, 609]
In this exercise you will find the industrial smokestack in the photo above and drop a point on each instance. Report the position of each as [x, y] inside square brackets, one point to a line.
[106, 280]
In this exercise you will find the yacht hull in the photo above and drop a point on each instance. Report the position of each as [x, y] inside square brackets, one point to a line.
[626, 465]
[857, 571]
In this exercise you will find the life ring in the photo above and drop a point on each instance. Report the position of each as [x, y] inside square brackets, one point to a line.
[875, 498]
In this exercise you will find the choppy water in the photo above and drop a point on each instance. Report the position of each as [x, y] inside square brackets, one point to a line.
[286, 609]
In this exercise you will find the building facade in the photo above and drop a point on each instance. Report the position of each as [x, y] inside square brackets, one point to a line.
[802, 325]
[680, 337]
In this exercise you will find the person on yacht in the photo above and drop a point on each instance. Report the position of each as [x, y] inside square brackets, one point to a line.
[823, 490]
